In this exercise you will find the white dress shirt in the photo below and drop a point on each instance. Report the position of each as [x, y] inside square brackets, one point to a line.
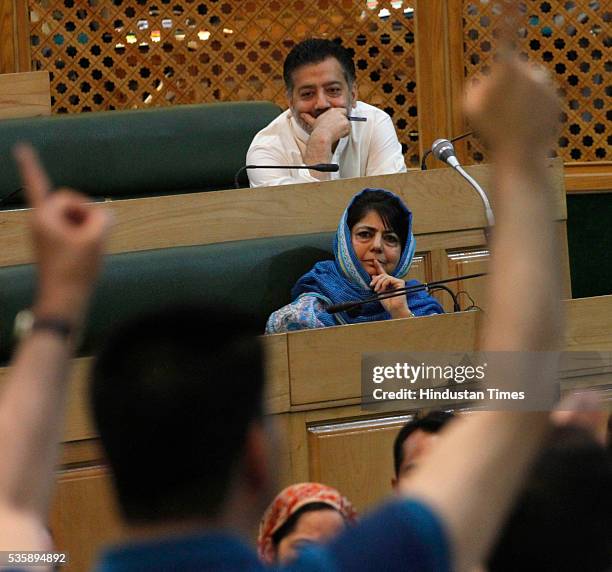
[371, 148]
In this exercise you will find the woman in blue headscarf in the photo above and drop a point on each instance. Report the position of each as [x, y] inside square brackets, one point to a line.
[373, 248]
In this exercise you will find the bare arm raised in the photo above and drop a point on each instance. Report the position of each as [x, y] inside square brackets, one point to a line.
[68, 237]
[477, 467]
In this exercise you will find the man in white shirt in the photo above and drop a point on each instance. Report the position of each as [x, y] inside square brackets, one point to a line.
[322, 95]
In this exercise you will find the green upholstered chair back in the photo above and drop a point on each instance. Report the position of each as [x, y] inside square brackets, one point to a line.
[120, 154]
[252, 275]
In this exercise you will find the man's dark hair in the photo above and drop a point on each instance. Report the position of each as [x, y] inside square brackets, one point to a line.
[561, 520]
[289, 525]
[314, 51]
[430, 423]
[388, 207]
[173, 394]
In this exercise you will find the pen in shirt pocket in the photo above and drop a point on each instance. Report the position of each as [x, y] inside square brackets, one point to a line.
[354, 118]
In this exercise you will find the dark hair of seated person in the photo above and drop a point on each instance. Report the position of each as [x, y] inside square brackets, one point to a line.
[433, 422]
[388, 208]
[289, 525]
[561, 521]
[173, 408]
[314, 51]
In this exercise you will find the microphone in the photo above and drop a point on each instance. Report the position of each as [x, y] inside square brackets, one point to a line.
[443, 150]
[322, 167]
[428, 152]
[344, 306]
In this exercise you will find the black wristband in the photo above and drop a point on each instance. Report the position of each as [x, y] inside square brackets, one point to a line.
[26, 322]
[57, 325]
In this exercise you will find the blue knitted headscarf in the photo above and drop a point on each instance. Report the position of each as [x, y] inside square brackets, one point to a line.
[344, 279]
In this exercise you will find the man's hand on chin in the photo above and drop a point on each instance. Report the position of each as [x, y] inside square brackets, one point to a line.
[331, 125]
[325, 132]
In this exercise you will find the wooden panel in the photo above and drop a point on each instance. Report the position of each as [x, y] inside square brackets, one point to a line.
[277, 373]
[23, 61]
[80, 427]
[281, 425]
[588, 177]
[7, 45]
[299, 438]
[84, 515]
[462, 263]
[589, 324]
[433, 95]
[459, 239]
[78, 423]
[81, 454]
[455, 77]
[420, 269]
[336, 373]
[356, 457]
[440, 201]
[24, 95]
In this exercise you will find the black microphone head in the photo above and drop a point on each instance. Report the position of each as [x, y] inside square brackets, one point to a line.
[325, 167]
[442, 149]
[343, 307]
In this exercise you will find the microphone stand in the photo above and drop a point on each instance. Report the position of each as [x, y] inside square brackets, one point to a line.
[483, 196]
[335, 308]
[443, 150]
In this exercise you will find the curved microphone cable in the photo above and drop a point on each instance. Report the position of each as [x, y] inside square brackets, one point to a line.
[335, 308]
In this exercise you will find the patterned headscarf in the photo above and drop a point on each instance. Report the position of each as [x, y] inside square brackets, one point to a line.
[345, 279]
[288, 502]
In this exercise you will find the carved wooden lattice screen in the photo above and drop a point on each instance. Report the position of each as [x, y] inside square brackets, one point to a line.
[117, 54]
[572, 39]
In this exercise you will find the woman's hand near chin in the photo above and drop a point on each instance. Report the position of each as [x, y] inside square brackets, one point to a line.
[383, 282]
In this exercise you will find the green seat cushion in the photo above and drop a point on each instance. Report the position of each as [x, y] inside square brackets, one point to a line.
[252, 275]
[120, 154]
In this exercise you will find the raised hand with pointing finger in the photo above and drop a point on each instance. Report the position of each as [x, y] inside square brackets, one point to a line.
[68, 237]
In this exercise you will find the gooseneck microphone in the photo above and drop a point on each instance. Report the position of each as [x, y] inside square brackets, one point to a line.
[345, 306]
[322, 167]
[428, 152]
[443, 150]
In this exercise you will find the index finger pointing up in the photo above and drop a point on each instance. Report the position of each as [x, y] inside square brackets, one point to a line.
[36, 184]
[379, 267]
